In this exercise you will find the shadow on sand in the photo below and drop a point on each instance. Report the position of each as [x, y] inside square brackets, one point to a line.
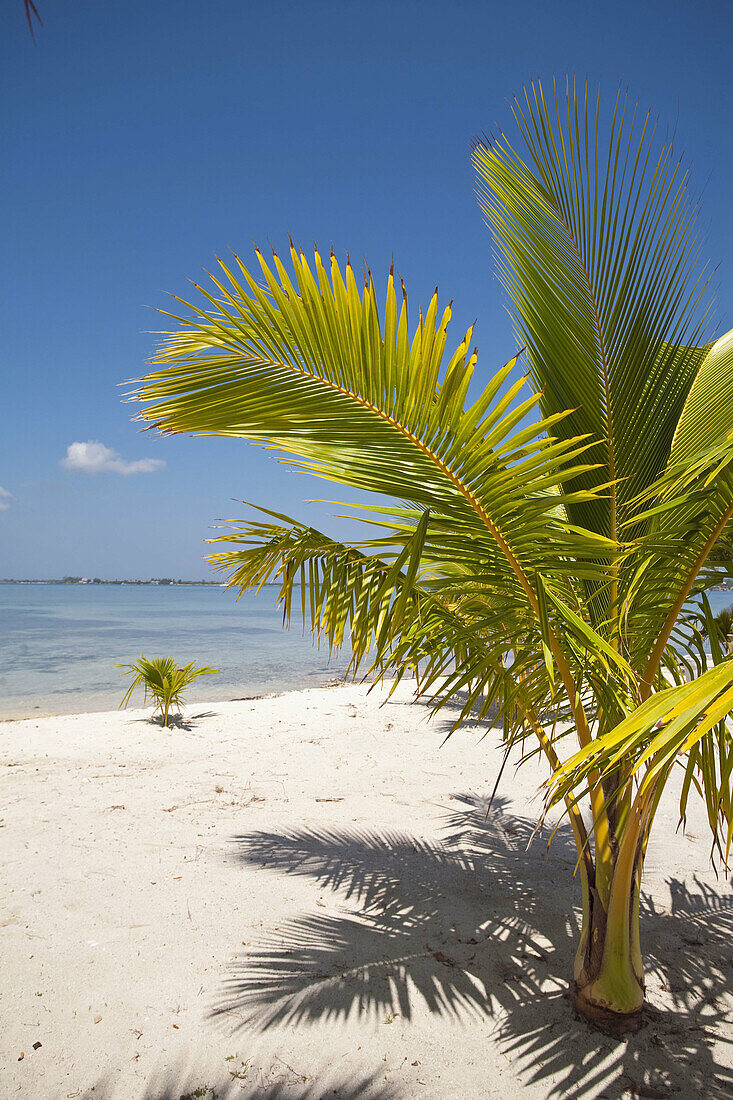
[179, 1084]
[478, 926]
[178, 721]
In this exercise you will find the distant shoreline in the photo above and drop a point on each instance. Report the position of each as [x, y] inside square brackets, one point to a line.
[150, 584]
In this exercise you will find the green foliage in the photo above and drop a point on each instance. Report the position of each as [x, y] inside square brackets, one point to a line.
[547, 540]
[163, 682]
[724, 624]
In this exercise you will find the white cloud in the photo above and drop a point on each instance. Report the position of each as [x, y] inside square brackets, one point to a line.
[94, 458]
[5, 498]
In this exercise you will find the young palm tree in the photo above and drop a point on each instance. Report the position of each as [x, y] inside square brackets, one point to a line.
[163, 682]
[547, 549]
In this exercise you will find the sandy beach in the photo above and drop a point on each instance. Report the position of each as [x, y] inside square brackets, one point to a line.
[302, 896]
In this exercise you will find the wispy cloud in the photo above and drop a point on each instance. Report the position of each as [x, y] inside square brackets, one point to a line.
[5, 498]
[94, 458]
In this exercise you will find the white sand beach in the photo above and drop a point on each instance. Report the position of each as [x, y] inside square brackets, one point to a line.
[302, 897]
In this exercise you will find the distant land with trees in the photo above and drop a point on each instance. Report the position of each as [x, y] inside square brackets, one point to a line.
[98, 580]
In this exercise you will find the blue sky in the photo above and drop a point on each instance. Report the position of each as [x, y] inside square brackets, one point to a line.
[143, 136]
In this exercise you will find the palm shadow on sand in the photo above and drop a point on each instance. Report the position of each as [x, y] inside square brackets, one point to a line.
[479, 926]
[185, 722]
[179, 1083]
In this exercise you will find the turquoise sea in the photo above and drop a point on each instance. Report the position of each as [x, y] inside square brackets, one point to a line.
[60, 643]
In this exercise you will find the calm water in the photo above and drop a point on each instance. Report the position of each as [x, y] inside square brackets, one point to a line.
[59, 644]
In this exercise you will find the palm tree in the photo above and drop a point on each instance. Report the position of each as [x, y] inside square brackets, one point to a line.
[163, 682]
[544, 548]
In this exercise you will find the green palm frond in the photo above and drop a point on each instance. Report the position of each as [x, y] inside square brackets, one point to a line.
[707, 415]
[679, 521]
[380, 603]
[310, 369]
[598, 253]
[688, 721]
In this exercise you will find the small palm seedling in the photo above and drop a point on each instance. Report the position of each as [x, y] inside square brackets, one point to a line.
[163, 682]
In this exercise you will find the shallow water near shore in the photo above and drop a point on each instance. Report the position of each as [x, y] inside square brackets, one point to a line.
[60, 644]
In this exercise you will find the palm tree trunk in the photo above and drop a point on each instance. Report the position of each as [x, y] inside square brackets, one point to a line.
[609, 981]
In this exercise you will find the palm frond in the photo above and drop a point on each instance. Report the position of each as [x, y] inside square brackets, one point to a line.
[399, 617]
[688, 720]
[310, 370]
[597, 251]
[708, 410]
[678, 522]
